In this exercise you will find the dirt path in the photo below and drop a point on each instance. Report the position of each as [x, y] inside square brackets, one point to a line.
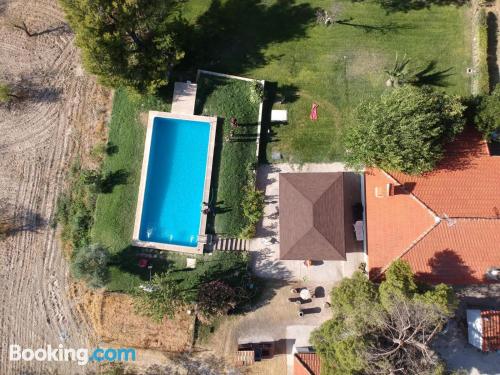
[37, 141]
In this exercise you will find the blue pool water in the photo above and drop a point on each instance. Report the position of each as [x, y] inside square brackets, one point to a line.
[175, 180]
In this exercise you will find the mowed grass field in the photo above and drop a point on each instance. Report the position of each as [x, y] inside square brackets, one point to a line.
[336, 66]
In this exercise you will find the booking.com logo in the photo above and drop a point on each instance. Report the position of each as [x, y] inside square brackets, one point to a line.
[61, 354]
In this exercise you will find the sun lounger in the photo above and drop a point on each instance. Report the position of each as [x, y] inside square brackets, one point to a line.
[279, 115]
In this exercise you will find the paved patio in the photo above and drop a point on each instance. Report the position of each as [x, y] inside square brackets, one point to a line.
[184, 98]
[265, 247]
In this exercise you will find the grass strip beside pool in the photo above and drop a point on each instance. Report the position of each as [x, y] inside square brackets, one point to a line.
[227, 98]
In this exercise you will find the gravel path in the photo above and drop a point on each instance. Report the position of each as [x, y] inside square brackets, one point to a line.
[38, 138]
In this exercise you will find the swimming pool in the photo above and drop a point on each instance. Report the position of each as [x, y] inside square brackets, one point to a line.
[175, 181]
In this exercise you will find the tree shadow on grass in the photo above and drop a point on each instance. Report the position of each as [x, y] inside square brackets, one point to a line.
[391, 27]
[112, 179]
[392, 6]
[492, 23]
[430, 76]
[231, 36]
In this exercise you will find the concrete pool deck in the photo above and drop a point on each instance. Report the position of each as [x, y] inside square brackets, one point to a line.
[136, 241]
[184, 98]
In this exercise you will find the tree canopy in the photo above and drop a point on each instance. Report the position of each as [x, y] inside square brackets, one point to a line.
[488, 113]
[405, 130]
[133, 43]
[380, 330]
[90, 263]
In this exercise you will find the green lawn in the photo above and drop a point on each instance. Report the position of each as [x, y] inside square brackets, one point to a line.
[334, 66]
[115, 211]
[228, 98]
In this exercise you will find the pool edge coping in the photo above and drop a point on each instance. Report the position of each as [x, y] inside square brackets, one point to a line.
[144, 171]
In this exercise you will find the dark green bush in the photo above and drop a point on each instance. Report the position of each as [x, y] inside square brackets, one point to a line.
[488, 113]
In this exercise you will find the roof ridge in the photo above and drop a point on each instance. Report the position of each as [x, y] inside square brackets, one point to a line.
[314, 229]
[432, 212]
[296, 189]
[471, 218]
[411, 246]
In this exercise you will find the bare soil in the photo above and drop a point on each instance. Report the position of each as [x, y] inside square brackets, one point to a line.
[57, 118]
[115, 321]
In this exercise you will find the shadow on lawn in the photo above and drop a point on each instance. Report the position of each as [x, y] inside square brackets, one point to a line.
[230, 36]
[112, 179]
[390, 27]
[492, 23]
[430, 76]
[392, 6]
[214, 182]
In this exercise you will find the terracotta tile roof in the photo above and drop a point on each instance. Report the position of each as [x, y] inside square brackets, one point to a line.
[491, 330]
[306, 364]
[466, 182]
[312, 216]
[463, 193]
[393, 224]
[457, 251]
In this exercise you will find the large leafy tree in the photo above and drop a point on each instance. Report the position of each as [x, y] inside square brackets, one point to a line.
[404, 130]
[386, 329]
[132, 43]
[488, 113]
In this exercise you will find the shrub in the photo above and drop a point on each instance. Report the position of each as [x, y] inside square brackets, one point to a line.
[253, 205]
[488, 113]
[163, 297]
[248, 232]
[253, 209]
[215, 298]
[4, 230]
[74, 211]
[99, 151]
[257, 93]
[90, 263]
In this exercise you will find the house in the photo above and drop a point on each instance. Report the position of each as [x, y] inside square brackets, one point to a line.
[313, 216]
[484, 329]
[445, 223]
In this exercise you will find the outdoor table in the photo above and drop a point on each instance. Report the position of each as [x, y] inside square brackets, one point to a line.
[305, 294]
